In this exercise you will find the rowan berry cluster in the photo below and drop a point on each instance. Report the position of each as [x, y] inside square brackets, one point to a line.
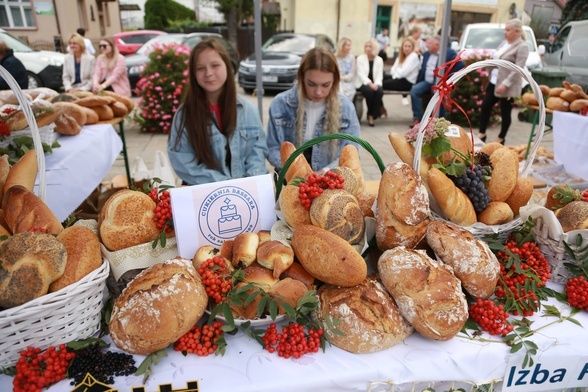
[490, 317]
[38, 230]
[512, 283]
[162, 212]
[585, 195]
[293, 341]
[577, 290]
[315, 184]
[36, 370]
[200, 341]
[216, 278]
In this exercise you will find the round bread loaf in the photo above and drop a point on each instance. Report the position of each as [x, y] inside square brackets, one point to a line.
[158, 306]
[369, 318]
[338, 211]
[292, 209]
[23, 210]
[276, 256]
[505, 171]
[496, 213]
[471, 259]
[350, 182]
[30, 263]
[427, 293]
[202, 254]
[328, 257]
[244, 249]
[126, 220]
[287, 290]
[83, 255]
[573, 216]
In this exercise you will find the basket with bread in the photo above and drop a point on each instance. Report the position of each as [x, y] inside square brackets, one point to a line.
[51, 279]
[480, 190]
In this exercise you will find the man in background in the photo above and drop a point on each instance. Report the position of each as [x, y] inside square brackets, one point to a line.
[384, 41]
[89, 47]
[14, 66]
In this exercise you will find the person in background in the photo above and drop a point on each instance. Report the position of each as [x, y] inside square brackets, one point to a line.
[78, 66]
[504, 84]
[110, 72]
[87, 42]
[311, 108]
[426, 76]
[346, 62]
[549, 46]
[216, 135]
[416, 34]
[14, 67]
[405, 70]
[369, 79]
[384, 41]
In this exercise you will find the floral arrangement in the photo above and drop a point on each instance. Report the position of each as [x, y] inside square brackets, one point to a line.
[161, 87]
[469, 92]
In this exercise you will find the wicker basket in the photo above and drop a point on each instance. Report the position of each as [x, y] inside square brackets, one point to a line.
[479, 229]
[71, 313]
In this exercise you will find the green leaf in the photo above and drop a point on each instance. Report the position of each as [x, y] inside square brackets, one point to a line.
[273, 309]
[228, 315]
[516, 347]
[85, 343]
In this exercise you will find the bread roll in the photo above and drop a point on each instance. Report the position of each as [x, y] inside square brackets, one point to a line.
[95, 100]
[520, 195]
[104, 112]
[338, 211]
[505, 172]
[544, 89]
[471, 259]
[556, 91]
[496, 213]
[349, 158]
[405, 152]
[91, 116]
[297, 271]
[369, 318]
[366, 203]
[30, 262]
[276, 256]
[402, 212]
[23, 210]
[260, 277]
[126, 220]
[559, 195]
[83, 255]
[245, 249]
[573, 216]
[226, 250]
[23, 172]
[119, 109]
[298, 168]
[489, 148]
[579, 105]
[128, 102]
[350, 182]
[160, 305]
[427, 293]
[530, 99]
[568, 95]
[67, 125]
[328, 257]
[202, 254]
[557, 103]
[287, 290]
[295, 214]
[264, 236]
[72, 110]
[44, 115]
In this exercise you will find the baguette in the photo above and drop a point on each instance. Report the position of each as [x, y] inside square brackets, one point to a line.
[349, 158]
[405, 152]
[298, 168]
[455, 204]
[73, 110]
[24, 172]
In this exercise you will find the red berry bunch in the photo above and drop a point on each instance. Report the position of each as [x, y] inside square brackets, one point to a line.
[162, 212]
[292, 342]
[490, 317]
[38, 230]
[36, 370]
[531, 261]
[216, 278]
[4, 131]
[7, 110]
[577, 290]
[200, 341]
[585, 195]
[315, 184]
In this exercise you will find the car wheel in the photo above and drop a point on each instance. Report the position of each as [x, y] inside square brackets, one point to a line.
[34, 81]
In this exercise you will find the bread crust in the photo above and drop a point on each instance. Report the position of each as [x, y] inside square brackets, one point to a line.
[275, 256]
[67, 125]
[338, 211]
[505, 172]
[292, 209]
[349, 158]
[298, 168]
[244, 249]
[455, 204]
[72, 110]
[23, 172]
[496, 213]
[104, 112]
[573, 216]
[287, 290]
[23, 210]
[91, 116]
[520, 195]
[405, 152]
[297, 271]
[119, 109]
[95, 100]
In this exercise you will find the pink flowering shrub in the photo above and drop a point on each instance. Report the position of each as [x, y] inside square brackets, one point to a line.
[161, 87]
[469, 92]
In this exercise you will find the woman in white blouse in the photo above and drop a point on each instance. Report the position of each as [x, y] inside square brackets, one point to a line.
[406, 68]
[369, 76]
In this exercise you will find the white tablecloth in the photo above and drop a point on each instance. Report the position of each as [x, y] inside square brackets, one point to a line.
[570, 142]
[247, 367]
[75, 169]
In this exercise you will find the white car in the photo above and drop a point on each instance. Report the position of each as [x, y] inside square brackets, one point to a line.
[44, 67]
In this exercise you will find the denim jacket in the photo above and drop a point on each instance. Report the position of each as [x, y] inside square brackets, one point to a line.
[248, 149]
[282, 127]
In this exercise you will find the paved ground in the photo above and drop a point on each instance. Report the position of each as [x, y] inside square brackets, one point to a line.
[399, 116]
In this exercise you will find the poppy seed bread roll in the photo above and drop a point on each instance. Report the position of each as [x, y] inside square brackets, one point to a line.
[338, 211]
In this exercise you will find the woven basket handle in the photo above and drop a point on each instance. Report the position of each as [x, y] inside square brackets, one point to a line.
[28, 112]
[461, 73]
[319, 139]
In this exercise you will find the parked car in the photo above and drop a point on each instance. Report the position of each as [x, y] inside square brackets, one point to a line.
[128, 42]
[569, 54]
[280, 59]
[43, 66]
[137, 62]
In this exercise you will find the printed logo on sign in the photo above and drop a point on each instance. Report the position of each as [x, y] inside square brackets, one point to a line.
[227, 212]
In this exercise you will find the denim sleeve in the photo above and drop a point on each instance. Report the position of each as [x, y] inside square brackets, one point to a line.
[274, 140]
[255, 158]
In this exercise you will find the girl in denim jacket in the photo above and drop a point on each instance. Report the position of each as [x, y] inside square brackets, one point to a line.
[311, 108]
[215, 134]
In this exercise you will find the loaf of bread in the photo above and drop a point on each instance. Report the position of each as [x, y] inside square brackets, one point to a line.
[276, 256]
[455, 204]
[298, 168]
[496, 213]
[287, 290]
[91, 115]
[368, 316]
[328, 257]
[128, 102]
[72, 110]
[67, 125]
[573, 216]
[556, 91]
[520, 195]
[579, 105]
[23, 172]
[119, 109]
[489, 148]
[83, 255]
[544, 89]
[126, 220]
[471, 259]
[505, 172]
[30, 263]
[292, 209]
[104, 112]
[559, 195]
[297, 271]
[427, 293]
[158, 306]
[338, 211]
[349, 158]
[557, 103]
[244, 249]
[350, 182]
[92, 100]
[530, 99]
[23, 210]
[405, 152]
[43, 111]
[460, 141]
[402, 212]
[260, 277]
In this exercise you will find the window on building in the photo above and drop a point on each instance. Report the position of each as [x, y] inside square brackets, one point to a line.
[16, 13]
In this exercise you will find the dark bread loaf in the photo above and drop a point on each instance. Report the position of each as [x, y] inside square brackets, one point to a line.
[427, 293]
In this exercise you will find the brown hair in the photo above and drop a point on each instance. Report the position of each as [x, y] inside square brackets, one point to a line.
[196, 117]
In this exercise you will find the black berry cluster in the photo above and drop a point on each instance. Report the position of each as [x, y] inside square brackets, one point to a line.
[102, 365]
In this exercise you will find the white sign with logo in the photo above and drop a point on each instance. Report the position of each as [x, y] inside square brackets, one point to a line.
[547, 373]
[210, 214]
